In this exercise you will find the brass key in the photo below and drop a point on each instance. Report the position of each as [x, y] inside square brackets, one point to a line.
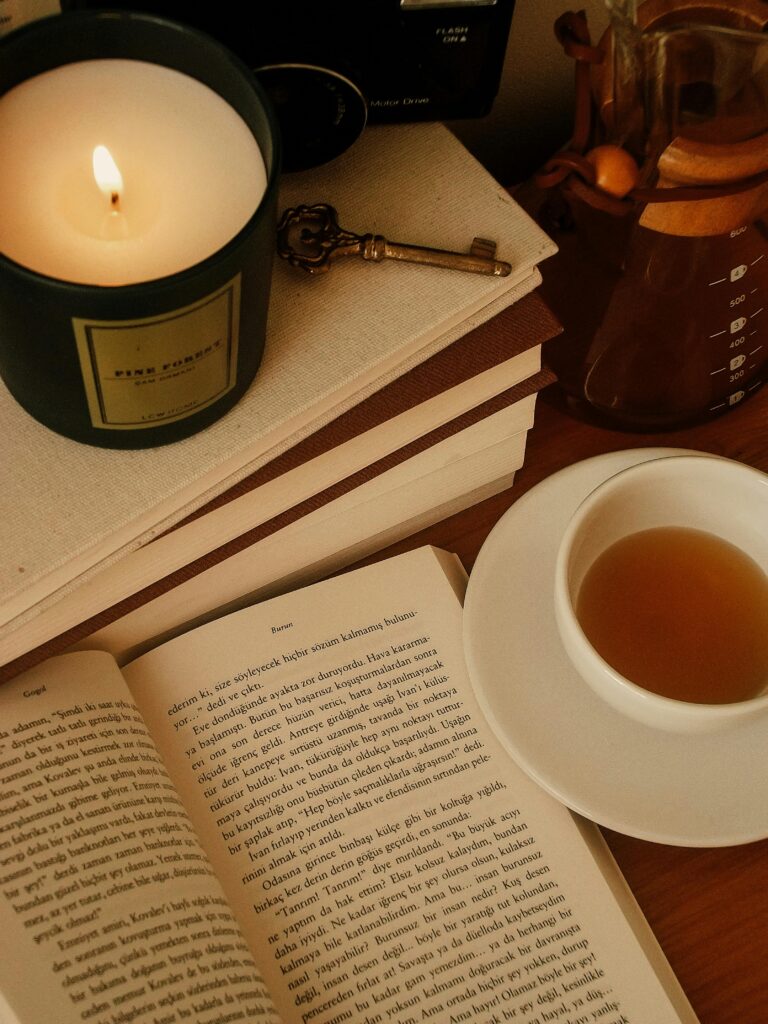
[310, 237]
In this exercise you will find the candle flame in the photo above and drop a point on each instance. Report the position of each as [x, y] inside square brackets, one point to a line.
[107, 175]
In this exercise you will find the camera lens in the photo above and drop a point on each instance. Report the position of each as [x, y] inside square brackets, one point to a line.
[320, 112]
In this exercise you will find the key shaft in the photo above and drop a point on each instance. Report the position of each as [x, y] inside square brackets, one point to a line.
[378, 248]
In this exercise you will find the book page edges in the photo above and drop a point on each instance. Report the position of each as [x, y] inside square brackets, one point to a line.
[145, 564]
[127, 577]
[294, 556]
[635, 918]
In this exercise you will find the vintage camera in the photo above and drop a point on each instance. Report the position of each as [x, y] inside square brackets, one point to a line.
[332, 65]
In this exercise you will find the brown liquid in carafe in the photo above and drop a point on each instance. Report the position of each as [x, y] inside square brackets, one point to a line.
[651, 321]
[679, 612]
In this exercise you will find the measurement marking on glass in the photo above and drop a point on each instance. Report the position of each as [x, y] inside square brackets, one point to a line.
[757, 311]
[717, 335]
[720, 280]
[755, 385]
[754, 350]
[757, 260]
[721, 370]
[714, 408]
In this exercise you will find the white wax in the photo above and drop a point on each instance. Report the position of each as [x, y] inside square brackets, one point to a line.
[193, 173]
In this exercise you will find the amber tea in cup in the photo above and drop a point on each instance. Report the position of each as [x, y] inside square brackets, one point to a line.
[661, 592]
[680, 612]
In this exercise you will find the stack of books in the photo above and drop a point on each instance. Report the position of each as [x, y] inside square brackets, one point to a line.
[390, 397]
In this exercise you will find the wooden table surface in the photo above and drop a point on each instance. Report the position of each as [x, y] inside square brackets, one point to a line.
[707, 907]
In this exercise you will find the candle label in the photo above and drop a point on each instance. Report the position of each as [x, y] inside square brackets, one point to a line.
[138, 373]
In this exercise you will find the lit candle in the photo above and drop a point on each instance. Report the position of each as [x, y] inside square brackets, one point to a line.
[191, 173]
[139, 164]
[108, 177]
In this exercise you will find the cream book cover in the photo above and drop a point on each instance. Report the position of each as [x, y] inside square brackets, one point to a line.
[331, 341]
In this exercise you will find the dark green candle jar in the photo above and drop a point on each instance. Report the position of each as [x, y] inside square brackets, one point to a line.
[132, 312]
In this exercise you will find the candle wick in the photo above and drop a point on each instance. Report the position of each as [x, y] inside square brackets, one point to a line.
[115, 201]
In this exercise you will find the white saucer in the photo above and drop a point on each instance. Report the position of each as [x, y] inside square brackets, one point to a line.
[686, 790]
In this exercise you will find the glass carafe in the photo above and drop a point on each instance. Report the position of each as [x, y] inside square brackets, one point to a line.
[663, 292]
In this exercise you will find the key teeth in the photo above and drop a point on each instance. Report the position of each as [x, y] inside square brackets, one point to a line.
[483, 248]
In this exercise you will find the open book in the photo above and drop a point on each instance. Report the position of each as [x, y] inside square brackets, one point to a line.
[298, 813]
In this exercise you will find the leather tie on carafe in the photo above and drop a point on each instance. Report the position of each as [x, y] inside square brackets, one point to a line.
[572, 170]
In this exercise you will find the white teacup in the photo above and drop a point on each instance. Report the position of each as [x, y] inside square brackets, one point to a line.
[706, 493]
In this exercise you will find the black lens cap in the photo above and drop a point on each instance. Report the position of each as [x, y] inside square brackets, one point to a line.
[320, 112]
